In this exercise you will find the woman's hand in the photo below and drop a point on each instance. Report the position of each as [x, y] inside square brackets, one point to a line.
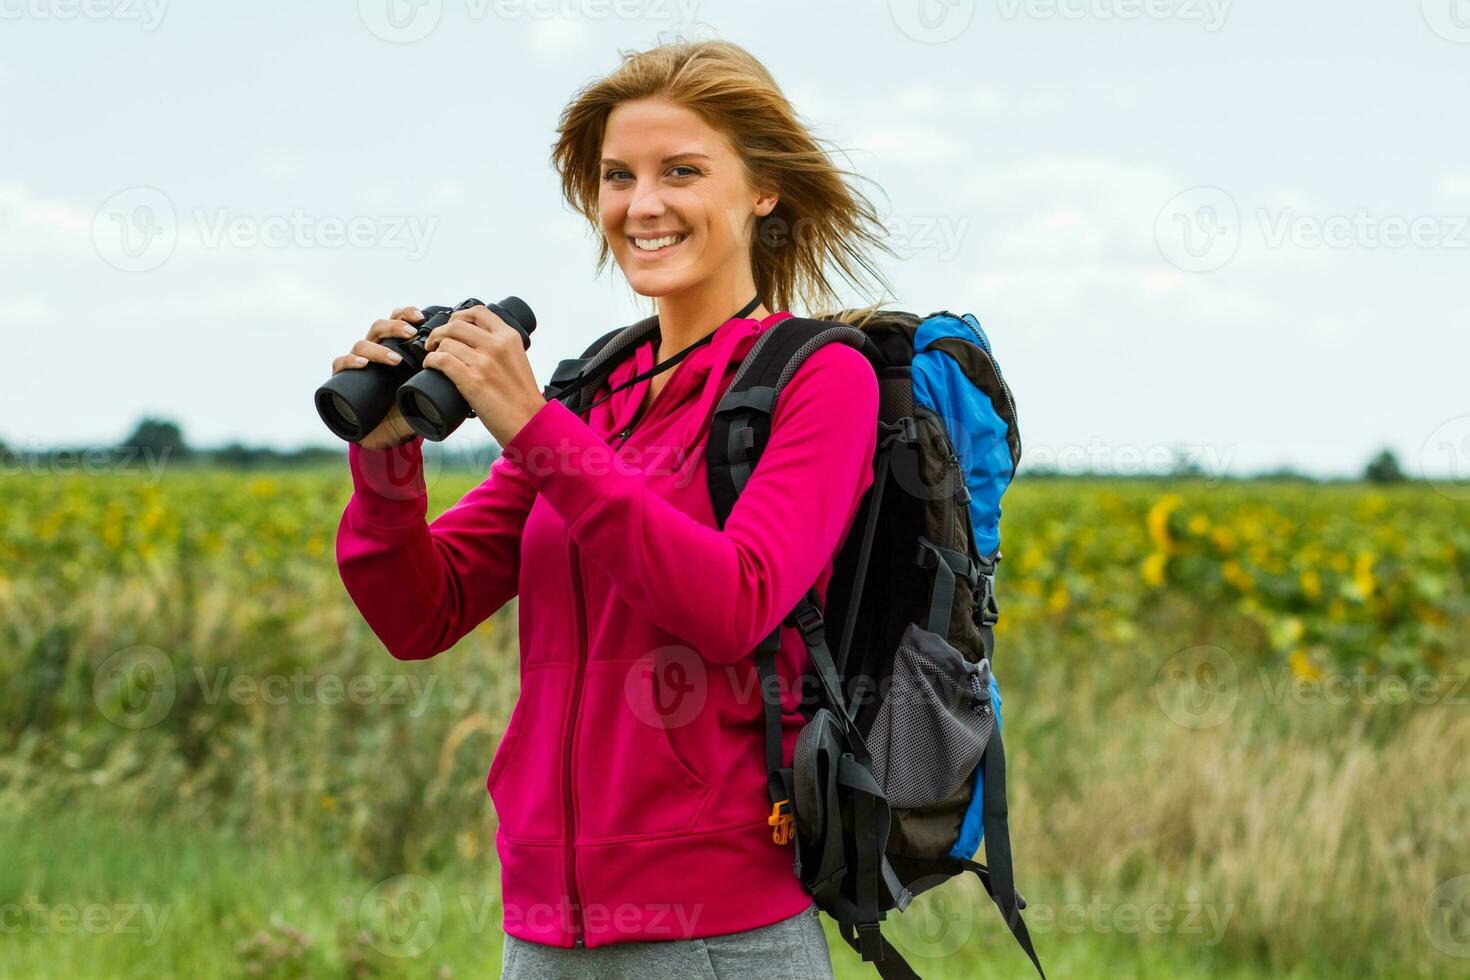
[486, 359]
[394, 429]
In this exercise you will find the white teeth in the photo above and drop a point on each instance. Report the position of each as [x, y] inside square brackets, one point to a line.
[653, 244]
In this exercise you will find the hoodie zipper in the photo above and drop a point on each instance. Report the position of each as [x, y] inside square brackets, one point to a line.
[573, 712]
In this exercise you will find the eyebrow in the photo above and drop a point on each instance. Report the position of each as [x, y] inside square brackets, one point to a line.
[675, 156]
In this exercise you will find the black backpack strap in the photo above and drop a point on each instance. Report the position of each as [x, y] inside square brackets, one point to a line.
[576, 379]
[742, 420]
[738, 433]
[1001, 878]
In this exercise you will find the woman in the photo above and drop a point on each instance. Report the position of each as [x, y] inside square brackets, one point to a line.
[630, 782]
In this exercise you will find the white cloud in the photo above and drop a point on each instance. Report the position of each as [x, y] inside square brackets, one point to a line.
[1455, 188]
[31, 224]
[19, 311]
[560, 39]
[911, 143]
[280, 163]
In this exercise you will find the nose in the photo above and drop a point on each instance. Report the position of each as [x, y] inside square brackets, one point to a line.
[647, 204]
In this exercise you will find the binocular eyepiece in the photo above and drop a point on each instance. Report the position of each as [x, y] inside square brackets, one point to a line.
[353, 403]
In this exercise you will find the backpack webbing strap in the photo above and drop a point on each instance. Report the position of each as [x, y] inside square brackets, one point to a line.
[890, 964]
[1001, 878]
[870, 529]
[576, 378]
[779, 777]
[947, 565]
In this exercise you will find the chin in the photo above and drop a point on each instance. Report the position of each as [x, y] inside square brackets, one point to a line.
[656, 284]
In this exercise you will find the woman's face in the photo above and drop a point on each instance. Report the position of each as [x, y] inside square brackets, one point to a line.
[672, 181]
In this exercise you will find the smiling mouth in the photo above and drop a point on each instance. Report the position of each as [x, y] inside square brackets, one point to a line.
[656, 246]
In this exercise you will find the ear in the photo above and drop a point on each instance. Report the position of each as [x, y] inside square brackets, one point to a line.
[765, 203]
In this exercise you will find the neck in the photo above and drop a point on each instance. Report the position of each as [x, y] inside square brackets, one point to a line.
[690, 314]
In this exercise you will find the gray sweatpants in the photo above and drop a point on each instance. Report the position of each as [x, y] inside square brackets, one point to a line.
[792, 949]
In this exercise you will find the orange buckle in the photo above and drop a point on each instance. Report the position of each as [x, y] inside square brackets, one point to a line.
[782, 822]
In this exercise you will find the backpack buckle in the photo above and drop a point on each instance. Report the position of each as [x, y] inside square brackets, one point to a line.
[782, 822]
[987, 611]
[870, 941]
[808, 618]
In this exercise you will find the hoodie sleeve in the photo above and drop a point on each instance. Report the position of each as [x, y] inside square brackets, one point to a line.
[720, 590]
[421, 587]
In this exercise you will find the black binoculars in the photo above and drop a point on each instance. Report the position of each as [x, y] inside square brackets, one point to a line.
[353, 403]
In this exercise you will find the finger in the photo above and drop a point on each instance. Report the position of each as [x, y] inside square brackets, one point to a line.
[409, 313]
[375, 352]
[347, 361]
[481, 317]
[382, 329]
[458, 349]
[452, 367]
[468, 333]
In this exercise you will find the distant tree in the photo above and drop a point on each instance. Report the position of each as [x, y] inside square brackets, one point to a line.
[159, 438]
[235, 454]
[1284, 472]
[1183, 464]
[1384, 468]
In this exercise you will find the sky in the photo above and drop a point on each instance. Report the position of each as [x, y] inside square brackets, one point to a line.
[1239, 231]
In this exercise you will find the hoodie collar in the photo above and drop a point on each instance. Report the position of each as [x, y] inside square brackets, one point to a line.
[702, 371]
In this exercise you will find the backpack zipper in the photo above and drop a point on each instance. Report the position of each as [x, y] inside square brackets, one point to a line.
[953, 471]
[985, 346]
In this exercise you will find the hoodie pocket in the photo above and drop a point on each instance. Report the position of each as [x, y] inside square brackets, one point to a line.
[630, 779]
[524, 780]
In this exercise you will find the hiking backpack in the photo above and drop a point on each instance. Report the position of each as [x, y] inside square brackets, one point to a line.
[899, 771]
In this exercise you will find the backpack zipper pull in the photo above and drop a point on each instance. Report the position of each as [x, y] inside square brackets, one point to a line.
[962, 491]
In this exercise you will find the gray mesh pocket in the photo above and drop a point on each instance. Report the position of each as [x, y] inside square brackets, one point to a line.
[934, 723]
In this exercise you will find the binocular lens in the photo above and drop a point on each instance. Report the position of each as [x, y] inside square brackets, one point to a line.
[415, 405]
[343, 408]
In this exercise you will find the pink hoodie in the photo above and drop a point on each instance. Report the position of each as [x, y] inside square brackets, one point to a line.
[630, 781]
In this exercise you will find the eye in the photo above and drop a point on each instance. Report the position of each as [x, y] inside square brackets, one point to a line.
[612, 175]
[693, 171]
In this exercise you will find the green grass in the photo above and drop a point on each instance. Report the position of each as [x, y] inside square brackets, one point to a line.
[183, 901]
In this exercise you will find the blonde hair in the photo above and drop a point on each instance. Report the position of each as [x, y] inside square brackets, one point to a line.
[820, 221]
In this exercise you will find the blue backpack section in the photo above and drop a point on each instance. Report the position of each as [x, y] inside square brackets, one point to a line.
[975, 427]
[978, 433]
[972, 827]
